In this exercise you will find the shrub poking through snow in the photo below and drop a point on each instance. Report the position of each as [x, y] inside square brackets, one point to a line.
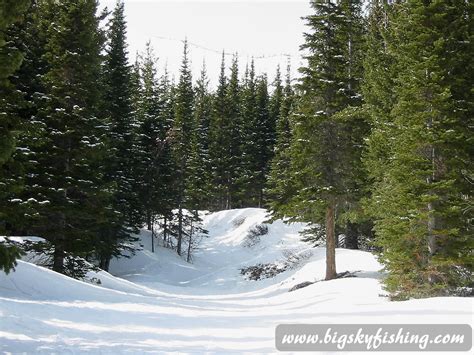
[293, 259]
[254, 234]
[263, 271]
[238, 221]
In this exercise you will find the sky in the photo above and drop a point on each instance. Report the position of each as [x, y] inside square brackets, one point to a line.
[268, 30]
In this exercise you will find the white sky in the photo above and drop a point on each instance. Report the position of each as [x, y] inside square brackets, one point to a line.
[269, 28]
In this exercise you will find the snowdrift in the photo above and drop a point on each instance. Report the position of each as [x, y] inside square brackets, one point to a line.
[156, 302]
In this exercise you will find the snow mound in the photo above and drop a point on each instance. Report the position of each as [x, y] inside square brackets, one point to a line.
[156, 302]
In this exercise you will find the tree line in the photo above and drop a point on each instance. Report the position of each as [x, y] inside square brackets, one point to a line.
[379, 143]
[373, 142]
[99, 147]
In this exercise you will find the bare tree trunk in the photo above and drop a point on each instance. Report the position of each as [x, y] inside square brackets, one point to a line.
[148, 221]
[105, 262]
[188, 258]
[165, 232]
[58, 256]
[152, 236]
[180, 229]
[59, 247]
[330, 243]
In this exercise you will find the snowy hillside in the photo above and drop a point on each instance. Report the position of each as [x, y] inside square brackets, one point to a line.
[156, 302]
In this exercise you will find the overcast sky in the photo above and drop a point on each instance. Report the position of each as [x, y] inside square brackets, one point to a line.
[259, 28]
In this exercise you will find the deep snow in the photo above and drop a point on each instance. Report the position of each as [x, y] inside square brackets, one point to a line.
[156, 302]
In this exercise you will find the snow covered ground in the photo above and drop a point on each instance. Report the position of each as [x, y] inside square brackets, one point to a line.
[156, 302]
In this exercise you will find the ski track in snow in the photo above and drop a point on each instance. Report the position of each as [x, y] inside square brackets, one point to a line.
[159, 303]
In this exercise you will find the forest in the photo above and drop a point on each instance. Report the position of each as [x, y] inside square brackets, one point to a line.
[371, 145]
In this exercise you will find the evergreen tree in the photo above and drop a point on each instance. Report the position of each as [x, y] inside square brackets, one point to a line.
[265, 136]
[119, 174]
[275, 104]
[327, 141]
[422, 194]
[10, 59]
[232, 134]
[199, 182]
[165, 162]
[182, 133]
[250, 147]
[149, 130]
[280, 188]
[217, 141]
[71, 202]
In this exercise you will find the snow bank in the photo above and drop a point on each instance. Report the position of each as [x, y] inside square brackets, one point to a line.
[160, 303]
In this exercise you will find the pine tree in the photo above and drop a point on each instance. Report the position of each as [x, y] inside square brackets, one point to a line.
[10, 59]
[275, 104]
[182, 133]
[198, 178]
[166, 166]
[421, 196]
[217, 141]
[265, 137]
[119, 174]
[71, 203]
[250, 147]
[199, 182]
[149, 130]
[279, 186]
[327, 141]
[27, 90]
[232, 135]
[119, 110]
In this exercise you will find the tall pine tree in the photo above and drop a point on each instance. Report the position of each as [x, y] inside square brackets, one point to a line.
[421, 195]
[182, 134]
[326, 144]
[10, 59]
[67, 179]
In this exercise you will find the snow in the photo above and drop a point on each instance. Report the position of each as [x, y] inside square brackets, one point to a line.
[156, 302]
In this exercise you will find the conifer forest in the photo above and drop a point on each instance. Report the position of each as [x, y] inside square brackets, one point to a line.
[369, 147]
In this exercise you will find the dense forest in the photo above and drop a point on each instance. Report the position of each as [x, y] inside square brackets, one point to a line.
[371, 146]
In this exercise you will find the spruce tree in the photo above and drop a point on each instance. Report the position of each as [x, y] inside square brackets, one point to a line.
[10, 59]
[119, 164]
[71, 203]
[422, 192]
[181, 147]
[250, 142]
[199, 183]
[326, 144]
[232, 135]
[217, 141]
[265, 137]
[148, 132]
[279, 186]
[276, 101]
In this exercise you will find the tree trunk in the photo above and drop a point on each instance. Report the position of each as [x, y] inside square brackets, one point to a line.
[58, 256]
[180, 229]
[352, 238]
[59, 247]
[433, 221]
[152, 238]
[105, 262]
[188, 259]
[148, 221]
[330, 243]
[165, 232]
